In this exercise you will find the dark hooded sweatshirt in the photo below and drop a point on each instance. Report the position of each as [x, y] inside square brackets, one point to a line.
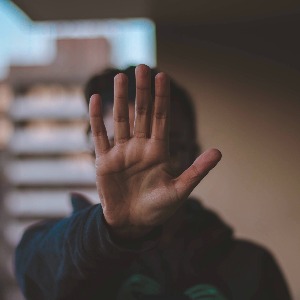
[76, 258]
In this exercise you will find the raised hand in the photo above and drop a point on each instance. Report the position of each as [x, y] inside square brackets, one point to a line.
[137, 186]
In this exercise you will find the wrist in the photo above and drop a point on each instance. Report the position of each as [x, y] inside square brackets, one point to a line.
[129, 232]
[137, 242]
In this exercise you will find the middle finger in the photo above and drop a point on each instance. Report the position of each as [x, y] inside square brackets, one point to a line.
[143, 105]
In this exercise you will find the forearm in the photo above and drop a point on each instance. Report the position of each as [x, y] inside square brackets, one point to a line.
[54, 257]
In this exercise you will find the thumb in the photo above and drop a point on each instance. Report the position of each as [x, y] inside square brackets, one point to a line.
[190, 178]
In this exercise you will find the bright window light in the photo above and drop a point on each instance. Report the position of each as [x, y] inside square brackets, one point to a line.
[24, 42]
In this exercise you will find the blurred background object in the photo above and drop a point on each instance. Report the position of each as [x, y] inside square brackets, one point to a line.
[44, 150]
[240, 61]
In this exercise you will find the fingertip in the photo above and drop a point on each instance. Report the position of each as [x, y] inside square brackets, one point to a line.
[121, 78]
[163, 77]
[162, 84]
[93, 99]
[142, 68]
[94, 104]
[216, 153]
[212, 155]
[94, 96]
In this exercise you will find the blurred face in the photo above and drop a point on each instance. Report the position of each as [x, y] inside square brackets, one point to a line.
[183, 146]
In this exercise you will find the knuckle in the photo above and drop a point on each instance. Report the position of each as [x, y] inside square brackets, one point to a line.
[120, 119]
[162, 96]
[160, 115]
[142, 110]
[98, 134]
[194, 174]
[142, 88]
[98, 165]
[140, 134]
[120, 98]
[121, 140]
[158, 138]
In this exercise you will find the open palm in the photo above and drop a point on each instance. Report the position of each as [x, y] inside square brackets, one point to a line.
[137, 185]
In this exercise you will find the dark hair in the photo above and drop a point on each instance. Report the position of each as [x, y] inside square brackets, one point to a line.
[103, 84]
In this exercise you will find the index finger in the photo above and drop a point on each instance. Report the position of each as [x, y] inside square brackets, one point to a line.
[97, 125]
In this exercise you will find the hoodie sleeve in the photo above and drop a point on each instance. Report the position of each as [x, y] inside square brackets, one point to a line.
[54, 258]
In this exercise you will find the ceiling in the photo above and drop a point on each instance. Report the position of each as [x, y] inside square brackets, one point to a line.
[268, 28]
[162, 11]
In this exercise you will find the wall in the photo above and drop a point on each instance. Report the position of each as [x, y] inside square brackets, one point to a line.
[249, 108]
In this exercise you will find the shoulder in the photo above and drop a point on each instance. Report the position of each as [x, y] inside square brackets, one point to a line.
[256, 265]
[251, 256]
[249, 248]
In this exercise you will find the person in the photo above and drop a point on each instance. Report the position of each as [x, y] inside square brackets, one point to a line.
[147, 239]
